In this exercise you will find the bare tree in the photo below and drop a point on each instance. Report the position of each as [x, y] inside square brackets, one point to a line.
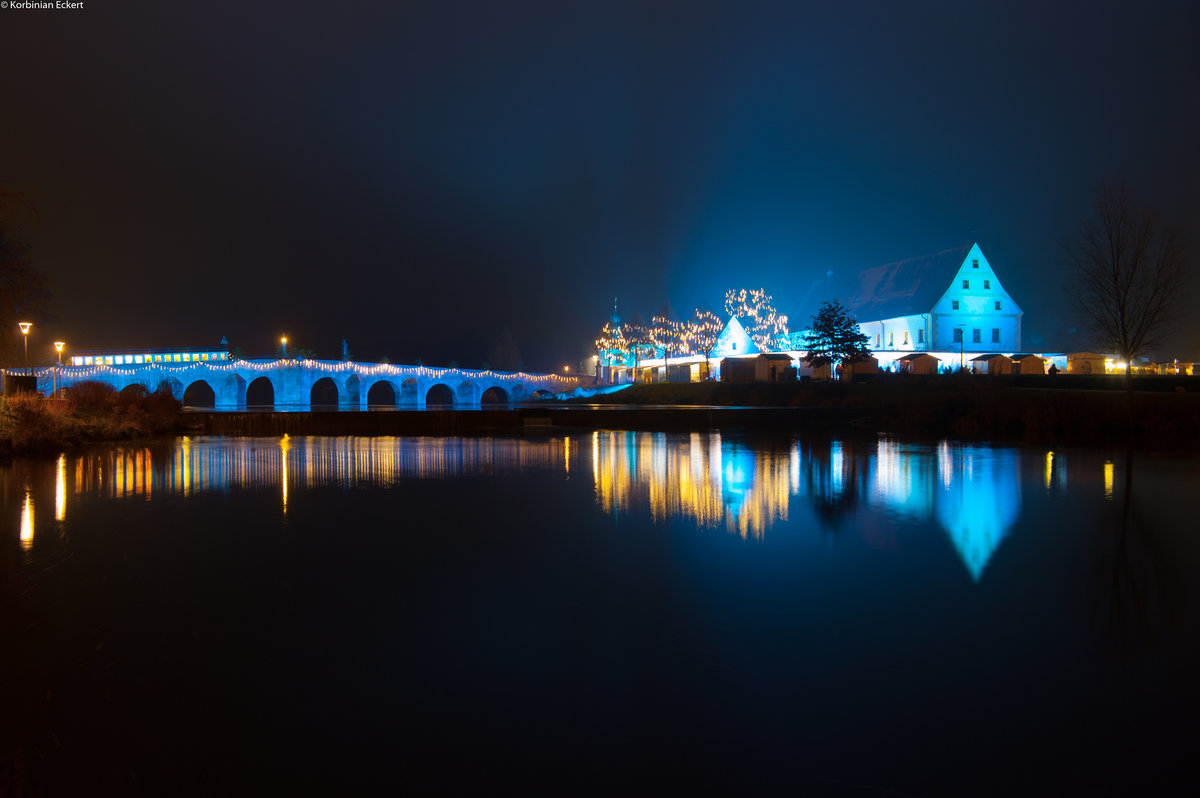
[1130, 273]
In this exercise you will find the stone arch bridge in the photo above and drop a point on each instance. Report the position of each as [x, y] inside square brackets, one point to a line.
[318, 384]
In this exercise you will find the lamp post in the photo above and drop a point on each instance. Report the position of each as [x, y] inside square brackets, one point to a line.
[283, 345]
[58, 347]
[25, 325]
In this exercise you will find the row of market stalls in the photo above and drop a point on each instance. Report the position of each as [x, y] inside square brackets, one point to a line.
[788, 366]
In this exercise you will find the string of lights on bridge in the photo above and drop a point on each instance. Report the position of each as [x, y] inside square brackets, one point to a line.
[373, 370]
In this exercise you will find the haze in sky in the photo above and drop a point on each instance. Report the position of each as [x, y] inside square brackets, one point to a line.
[421, 178]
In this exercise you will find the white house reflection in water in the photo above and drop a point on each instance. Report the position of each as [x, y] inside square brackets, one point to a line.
[972, 491]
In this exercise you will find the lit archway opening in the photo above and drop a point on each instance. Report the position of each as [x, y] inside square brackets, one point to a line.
[494, 398]
[260, 395]
[324, 395]
[439, 396]
[199, 394]
[381, 396]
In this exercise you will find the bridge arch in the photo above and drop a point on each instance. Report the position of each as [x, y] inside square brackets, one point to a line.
[439, 395]
[324, 394]
[260, 394]
[381, 394]
[199, 394]
[495, 396]
[133, 392]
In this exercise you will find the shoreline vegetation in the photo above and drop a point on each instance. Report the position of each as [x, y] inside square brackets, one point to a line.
[1163, 414]
[91, 412]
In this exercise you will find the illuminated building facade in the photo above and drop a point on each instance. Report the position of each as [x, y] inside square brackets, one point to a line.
[915, 310]
[139, 357]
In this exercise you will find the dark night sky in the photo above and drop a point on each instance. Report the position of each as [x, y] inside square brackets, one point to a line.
[417, 177]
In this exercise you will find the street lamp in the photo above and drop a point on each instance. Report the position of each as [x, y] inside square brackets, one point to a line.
[25, 325]
[58, 347]
[283, 345]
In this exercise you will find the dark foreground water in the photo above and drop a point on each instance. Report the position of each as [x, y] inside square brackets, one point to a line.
[607, 612]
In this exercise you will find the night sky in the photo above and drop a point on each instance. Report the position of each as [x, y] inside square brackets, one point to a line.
[418, 178]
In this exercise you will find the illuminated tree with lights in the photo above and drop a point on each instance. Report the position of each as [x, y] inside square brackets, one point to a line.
[640, 342]
[667, 335]
[835, 336]
[611, 344]
[755, 309]
[700, 334]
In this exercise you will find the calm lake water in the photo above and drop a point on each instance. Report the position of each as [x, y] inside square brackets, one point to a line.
[601, 612]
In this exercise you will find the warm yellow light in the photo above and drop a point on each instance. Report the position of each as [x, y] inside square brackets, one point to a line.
[58, 346]
[24, 325]
[27, 521]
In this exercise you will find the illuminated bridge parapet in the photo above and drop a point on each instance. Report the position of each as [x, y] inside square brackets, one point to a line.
[305, 384]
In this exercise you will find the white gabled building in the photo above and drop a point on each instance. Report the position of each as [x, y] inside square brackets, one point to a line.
[734, 341]
[915, 309]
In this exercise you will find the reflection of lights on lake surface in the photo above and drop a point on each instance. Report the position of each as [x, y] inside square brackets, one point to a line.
[283, 467]
[60, 488]
[980, 503]
[1108, 480]
[27, 521]
[719, 482]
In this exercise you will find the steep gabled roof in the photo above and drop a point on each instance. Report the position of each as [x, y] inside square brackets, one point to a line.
[905, 287]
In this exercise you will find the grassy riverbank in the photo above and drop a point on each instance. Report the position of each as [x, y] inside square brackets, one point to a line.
[89, 413]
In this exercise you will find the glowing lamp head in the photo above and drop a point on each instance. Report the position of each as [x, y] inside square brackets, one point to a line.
[24, 325]
[58, 346]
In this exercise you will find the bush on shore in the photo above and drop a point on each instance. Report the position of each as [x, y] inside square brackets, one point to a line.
[89, 411]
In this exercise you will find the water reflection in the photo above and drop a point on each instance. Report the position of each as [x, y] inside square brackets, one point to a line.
[744, 486]
[199, 465]
[27, 521]
[972, 491]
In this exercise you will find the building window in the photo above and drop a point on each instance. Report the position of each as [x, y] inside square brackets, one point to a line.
[954, 304]
[734, 346]
[995, 335]
[958, 335]
[997, 304]
[921, 336]
[966, 284]
[987, 284]
[906, 337]
[974, 263]
[891, 340]
[876, 341]
[975, 336]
